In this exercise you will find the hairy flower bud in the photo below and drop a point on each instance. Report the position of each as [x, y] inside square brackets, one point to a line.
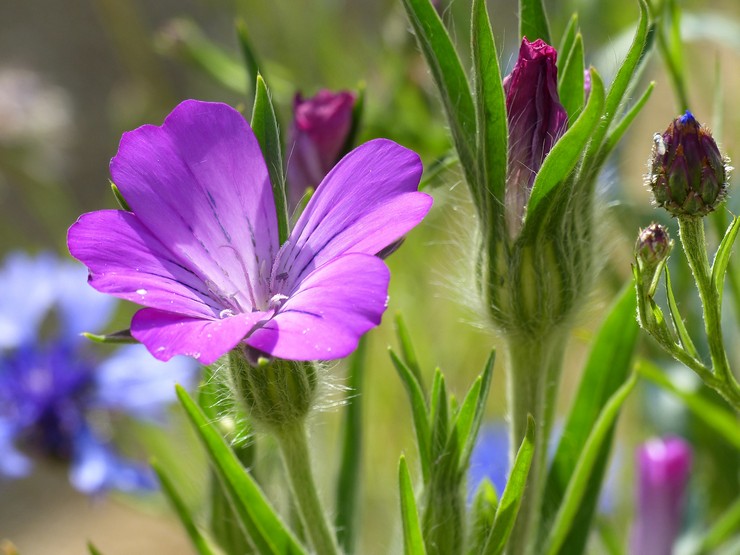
[536, 121]
[688, 175]
[317, 138]
[653, 245]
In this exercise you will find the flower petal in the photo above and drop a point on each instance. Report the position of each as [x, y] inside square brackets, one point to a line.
[368, 201]
[200, 184]
[166, 334]
[325, 318]
[127, 261]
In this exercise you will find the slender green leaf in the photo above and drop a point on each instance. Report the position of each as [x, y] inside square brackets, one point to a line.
[265, 127]
[482, 515]
[468, 432]
[619, 129]
[493, 135]
[260, 521]
[418, 412]
[348, 481]
[249, 57]
[592, 449]
[564, 156]
[450, 78]
[116, 338]
[722, 258]
[439, 417]
[533, 21]
[413, 541]
[568, 40]
[570, 87]
[722, 529]
[605, 371]
[721, 421]
[93, 550]
[199, 541]
[407, 350]
[508, 507]
[683, 333]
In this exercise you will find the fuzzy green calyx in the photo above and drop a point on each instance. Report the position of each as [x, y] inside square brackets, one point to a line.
[688, 174]
[276, 393]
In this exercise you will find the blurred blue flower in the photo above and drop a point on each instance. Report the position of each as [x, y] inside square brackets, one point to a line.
[58, 400]
[490, 458]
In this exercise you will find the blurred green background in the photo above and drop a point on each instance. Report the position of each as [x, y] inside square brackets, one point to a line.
[75, 74]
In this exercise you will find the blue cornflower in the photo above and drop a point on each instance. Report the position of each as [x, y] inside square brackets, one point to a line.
[490, 458]
[58, 399]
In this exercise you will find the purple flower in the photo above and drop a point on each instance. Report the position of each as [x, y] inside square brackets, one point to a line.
[663, 473]
[317, 138]
[200, 248]
[57, 400]
[536, 121]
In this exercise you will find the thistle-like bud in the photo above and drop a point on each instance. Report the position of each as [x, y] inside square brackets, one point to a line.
[276, 393]
[653, 246]
[688, 174]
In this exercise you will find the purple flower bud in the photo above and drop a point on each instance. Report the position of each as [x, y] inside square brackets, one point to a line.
[536, 120]
[653, 245]
[317, 139]
[663, 472]
[688, 175]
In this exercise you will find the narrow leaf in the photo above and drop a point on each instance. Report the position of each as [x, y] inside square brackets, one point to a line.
[592, 449]
[260, 521]
[249, 57]
[605, 371]
[564, 156]
[722, 258]
[508, 507]
[348, 481]
[468, 433]
[448, 74]
[722, 529]
[490, 103]
[570, 86]
[721, 421]
[482, 515]
[683, 333]
[92, 549]
[568, 39]
[116, 338]
[418, 412]
[265, 127]
[440, 420]
[533, 21]
[200, 543]
[413, 541]
[619, 129]
[408, 353]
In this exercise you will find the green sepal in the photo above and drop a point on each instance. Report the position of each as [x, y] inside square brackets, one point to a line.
[570, 84]
[348, 478]
[683, 334]
[115, 338]
[482, 515]
[490, 107]
[588, 460]
[197, 539]
[413, 540]
[533, 21]
[260, 522]
[119, 197]
[568, 40]
[511, 499]
[723, 422]
[722, 257]
[606, 369]
[451, 81]
[252, 66]
[566, 153]
[419, 413]
[265, 127]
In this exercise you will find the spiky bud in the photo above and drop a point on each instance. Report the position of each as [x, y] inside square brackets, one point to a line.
[688, 174]
[653, 245]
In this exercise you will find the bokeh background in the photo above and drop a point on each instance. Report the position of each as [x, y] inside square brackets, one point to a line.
[75, 74]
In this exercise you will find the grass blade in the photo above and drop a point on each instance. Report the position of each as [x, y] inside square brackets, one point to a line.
[413, 540]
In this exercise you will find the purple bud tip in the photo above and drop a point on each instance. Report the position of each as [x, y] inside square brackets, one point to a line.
[688, 174]
[653, 245]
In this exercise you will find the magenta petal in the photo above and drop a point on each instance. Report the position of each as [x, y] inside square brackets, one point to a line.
[166, 334]
[199, 183]
[126, 260]
[325, 318]
[368, 201]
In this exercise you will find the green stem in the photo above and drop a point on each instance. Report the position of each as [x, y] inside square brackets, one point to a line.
[293, 442]
[694, 245]
[534, 368]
